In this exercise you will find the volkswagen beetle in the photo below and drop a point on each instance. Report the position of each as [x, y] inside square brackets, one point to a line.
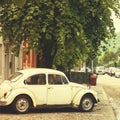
[42, 87]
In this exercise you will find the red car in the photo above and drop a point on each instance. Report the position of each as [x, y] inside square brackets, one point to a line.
[111, 71]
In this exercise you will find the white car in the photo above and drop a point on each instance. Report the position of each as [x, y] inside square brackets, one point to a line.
[117, 73]
[100, 70]
[41, 87]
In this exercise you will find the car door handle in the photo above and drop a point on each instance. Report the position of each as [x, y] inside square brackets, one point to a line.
[50, 87]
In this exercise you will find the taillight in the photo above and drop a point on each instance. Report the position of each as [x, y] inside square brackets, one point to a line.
[5, 94]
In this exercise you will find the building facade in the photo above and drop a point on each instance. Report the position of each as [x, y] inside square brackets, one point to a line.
[28, 60]
[1, 60]
[9, 63]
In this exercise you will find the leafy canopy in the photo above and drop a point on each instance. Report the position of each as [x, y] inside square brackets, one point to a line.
[60, 31]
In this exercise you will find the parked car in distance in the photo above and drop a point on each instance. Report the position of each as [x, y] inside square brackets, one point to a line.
[42, 87]
[111, 71]
[85, 69]
[100, 70]
[117, 73]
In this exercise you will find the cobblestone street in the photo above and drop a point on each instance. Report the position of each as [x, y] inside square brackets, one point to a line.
[98, 114]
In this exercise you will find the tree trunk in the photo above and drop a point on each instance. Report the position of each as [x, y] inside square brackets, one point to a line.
[44, 62]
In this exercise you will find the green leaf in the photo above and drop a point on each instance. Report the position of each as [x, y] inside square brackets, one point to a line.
[19, 3]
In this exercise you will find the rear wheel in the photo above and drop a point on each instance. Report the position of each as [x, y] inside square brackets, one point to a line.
[21, 104]
[87, 103]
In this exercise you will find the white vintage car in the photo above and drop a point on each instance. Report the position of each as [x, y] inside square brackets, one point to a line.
[41, 87]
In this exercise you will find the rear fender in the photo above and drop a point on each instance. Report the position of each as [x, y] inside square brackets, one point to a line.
[14, 93]
[4, 87]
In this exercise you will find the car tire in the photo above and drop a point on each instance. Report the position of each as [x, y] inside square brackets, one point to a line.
[86, 103]
[21, 104]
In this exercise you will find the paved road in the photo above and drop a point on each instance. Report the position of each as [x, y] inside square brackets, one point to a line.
[108, 80]
[111, 86]
[103, 111]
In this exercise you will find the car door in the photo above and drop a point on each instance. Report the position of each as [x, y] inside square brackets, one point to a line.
[37, 85]
[59, 91]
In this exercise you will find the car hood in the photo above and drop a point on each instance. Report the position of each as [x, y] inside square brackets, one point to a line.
[5, 87]
[78, 85]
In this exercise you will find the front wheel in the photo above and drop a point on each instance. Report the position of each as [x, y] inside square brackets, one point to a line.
[21, 104]
[86, 103]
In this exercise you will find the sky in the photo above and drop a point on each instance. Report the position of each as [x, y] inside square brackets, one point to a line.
[116, 23]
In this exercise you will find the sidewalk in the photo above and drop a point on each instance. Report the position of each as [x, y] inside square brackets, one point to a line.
[104, 104]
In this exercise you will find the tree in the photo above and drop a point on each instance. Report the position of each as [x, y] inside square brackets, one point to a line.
[60, 31]
[118, 57]
[109, 57]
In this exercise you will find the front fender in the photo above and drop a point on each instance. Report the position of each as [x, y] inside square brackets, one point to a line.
[16, 92]
[77, 98]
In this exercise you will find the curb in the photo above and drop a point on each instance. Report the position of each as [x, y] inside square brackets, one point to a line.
[104, 101]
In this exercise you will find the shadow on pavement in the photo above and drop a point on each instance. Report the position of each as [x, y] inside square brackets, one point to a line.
[8, 110]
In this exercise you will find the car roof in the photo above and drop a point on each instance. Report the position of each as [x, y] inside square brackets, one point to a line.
[40, 70]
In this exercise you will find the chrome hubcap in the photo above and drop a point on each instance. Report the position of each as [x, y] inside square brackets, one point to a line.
[22, 105]
[87, 104]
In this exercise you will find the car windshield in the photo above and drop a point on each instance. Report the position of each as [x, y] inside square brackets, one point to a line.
[15, 76]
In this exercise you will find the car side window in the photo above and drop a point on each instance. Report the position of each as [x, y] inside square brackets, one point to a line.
[56, 79]
[39, 79]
